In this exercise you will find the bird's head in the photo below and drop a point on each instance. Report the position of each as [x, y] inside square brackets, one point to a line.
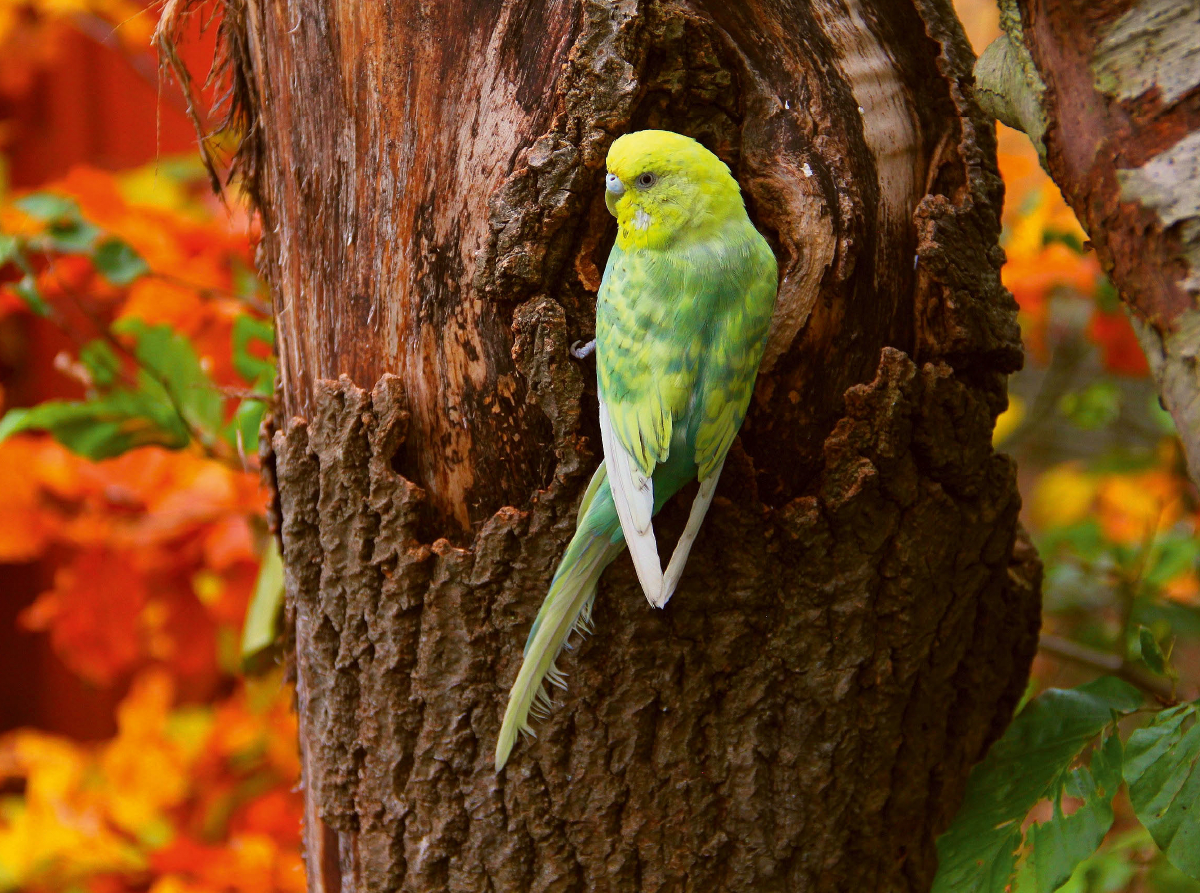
[662, 186]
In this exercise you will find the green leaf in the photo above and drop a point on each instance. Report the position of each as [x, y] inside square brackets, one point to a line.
[1085, 539]
[978, 852]
[72, 236]
[1159, 415]
[1163, 877]
[1071, 240]
[47, 206]
[9, 246]
[101, 362]
[1060, 845]
[102, 428]
[256, 370]
[1112, 867]
[118, 262]
[1174, 618]
[1150, 654]
[262, 616]
[31, 295]
[1174, 554]
[1108, 299]
[171, 399]
[1093, 408]
[1161, 769]
[245, 424]
[174, 375]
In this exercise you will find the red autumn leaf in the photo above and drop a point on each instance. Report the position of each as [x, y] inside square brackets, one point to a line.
[93, 614]
[1113, 334]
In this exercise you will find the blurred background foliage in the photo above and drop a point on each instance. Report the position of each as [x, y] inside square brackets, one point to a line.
[136, 755]
[134, 368]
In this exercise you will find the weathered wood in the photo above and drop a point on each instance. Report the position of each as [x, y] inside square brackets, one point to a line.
[859, 613]
[1111, 90]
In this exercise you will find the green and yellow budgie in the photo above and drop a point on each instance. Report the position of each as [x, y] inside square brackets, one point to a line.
[681, 322]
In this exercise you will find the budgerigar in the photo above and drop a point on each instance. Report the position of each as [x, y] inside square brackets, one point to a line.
[681, 322]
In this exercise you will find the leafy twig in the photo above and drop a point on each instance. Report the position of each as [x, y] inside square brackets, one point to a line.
[105, 332]
[1106, 662]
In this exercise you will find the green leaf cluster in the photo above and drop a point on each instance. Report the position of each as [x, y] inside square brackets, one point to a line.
[166, 402]
[259, 371]
[65, 231]
[167, 399]
[1042, 757]
[146, 384]
[1086, 574]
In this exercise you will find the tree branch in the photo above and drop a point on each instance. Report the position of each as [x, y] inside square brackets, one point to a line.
[1105, 662]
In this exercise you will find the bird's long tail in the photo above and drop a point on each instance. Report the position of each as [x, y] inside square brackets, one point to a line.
[568, 606]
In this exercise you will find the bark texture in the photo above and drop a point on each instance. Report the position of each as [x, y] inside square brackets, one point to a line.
[1110, 92]
[858, 616]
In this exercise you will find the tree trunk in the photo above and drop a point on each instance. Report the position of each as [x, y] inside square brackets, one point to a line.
[1107, 90]
[859, 614]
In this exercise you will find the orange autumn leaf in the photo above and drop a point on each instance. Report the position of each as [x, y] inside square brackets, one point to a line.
[135, 534]
[273, 814]
[57, 833]
[249, 863]
[1184, 588]
[26, 524]
[1031, 279]
[124, 815]
[1063, 495]
[155, 301]
[1134, 507]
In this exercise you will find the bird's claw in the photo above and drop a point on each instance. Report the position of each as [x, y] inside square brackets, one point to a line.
[580, 350]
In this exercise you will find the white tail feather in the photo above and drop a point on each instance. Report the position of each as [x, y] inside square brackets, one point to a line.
[683, 548]
[633, 495]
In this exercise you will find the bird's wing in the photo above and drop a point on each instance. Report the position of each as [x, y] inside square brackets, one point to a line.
[646, 369]
[734, 351]
[726, 383]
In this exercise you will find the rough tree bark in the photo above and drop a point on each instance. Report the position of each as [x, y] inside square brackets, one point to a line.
[858, 617]
[1108, 92]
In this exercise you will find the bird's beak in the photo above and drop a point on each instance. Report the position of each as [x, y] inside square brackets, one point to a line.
[614, 185]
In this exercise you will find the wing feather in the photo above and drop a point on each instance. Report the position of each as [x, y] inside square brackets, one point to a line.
[633, 495]
[735, 351]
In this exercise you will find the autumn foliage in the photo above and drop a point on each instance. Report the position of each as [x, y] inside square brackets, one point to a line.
[146, 518]
[135, 364]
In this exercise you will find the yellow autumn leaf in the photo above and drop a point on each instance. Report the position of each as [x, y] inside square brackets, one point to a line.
[1063, 495]
[146, 772]
[56, 833]
[1009, 420]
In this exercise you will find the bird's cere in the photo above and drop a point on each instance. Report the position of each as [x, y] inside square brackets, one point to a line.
[614, 185]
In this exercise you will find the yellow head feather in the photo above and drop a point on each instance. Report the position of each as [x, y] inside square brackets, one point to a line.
[663, 186]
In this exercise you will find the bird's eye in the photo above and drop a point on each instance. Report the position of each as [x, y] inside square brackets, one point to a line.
[646, 180]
